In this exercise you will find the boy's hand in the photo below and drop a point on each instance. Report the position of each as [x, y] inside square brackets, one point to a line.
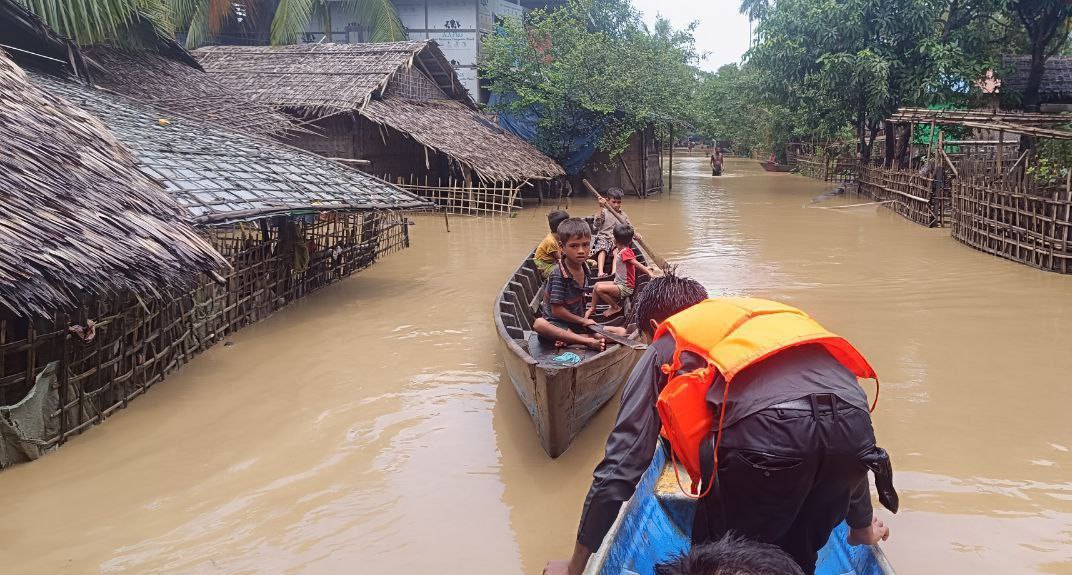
[603, 201]
[589, 321]
[638, 237]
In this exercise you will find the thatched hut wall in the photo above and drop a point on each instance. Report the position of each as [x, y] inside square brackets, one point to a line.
[638, 170]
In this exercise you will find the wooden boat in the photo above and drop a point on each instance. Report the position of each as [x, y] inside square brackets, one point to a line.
[560, 398]
[656, 524]
[774, 167]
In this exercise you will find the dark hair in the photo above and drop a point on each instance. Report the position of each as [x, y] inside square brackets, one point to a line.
[572, 228]
[615, 194]
[623, 234]
[664, 296]
[556, 217]
[732, 555]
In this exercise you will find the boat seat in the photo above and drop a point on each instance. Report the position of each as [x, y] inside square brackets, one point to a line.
[544, 353]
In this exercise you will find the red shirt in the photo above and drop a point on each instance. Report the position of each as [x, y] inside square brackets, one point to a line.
[625, 273]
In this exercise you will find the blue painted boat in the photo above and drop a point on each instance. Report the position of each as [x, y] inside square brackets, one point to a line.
[656, 523]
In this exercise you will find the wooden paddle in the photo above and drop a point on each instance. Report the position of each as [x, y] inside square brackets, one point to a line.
[601, 330]
[659, 260]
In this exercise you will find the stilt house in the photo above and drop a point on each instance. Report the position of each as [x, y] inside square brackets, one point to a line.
[116, 207]
[397, 110]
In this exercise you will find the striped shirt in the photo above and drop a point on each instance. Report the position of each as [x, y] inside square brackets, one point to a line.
[562, 289]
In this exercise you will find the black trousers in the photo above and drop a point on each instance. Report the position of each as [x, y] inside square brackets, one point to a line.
[788, 477]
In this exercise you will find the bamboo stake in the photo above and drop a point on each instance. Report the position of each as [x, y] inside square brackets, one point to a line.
[659, 260]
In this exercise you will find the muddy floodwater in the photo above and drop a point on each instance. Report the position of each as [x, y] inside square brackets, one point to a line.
[369, 429]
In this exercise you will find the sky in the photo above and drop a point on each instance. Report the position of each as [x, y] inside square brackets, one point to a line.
[723, 31]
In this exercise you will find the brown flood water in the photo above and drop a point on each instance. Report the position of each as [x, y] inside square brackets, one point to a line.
[369, 429]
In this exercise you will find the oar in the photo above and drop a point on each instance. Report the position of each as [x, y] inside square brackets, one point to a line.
[659, 260]
[599, 329]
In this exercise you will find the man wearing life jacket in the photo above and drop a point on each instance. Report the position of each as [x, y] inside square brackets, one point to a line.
[760, 392]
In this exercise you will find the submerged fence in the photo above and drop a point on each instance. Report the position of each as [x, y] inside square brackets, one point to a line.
[137, 342]
[1014, 215]
[827, 168]
[921, 199]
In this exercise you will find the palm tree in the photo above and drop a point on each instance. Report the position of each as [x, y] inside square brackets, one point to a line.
[127, 23]
[289, 18]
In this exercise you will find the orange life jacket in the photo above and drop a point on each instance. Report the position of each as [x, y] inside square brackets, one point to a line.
[732, 334]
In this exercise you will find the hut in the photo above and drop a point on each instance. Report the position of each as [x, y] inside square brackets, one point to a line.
[638, 170]
[82, 225]
[115, 276]
[396, 110]
[1055, 91]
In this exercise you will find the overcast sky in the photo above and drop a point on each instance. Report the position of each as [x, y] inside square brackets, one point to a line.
[723, 32]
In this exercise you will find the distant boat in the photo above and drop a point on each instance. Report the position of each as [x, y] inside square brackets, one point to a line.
[656, 524]
[561, 398]
[773, 167]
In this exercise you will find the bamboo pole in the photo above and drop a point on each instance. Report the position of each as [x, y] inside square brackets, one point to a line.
[659, 260]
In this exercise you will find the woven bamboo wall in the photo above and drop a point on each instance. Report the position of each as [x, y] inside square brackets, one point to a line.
[453, 197]
[138, 342]
[825, 168]
[917, 198]
[1013, 216]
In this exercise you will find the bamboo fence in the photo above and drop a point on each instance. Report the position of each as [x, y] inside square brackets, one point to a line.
[139, 342]
[925, 201]
[826, 168]
[458, 197]
[1012, 215]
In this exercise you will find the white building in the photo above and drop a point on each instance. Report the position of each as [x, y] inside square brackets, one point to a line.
[456, 25]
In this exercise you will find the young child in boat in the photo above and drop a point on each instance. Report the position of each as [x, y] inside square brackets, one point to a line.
[548, 252]
[603, 224]
[624, 270]
[563, 321]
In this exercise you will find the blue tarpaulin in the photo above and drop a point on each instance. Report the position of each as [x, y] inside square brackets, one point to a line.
[523, 125]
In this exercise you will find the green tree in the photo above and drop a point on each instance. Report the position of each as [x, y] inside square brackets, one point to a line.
[837, 62]
[127, 23]
[591, 66]
[1046, 24]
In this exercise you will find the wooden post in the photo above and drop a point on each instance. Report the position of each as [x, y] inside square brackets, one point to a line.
[1001, 152]
[644, 163]
[670, 182]
[891, 143]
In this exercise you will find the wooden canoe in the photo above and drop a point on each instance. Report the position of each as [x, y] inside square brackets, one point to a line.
[560, 398]
[775, 167]
[656, 523]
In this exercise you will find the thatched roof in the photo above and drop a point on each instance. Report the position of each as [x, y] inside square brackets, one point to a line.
[321, 80]
[325, 79]
[181, 88]
[222, 176]
[450, 127]
[1056, 87]
[77, 217]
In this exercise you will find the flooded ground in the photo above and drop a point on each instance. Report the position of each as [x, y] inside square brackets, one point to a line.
[369, 429]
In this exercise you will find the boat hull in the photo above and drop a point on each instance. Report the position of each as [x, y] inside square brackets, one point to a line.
[560, 398]
[775, 167]
[655, 525]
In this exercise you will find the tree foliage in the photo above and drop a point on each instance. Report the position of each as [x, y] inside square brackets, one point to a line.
[592, 67]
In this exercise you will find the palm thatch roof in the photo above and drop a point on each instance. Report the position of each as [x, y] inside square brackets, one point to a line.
[221, 176]
[78, 217]
[382, 82]
[178, 87]
[325, 79]
[1056, 87]
[450, 127]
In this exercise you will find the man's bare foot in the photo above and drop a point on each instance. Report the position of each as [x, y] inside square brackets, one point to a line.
[596, 343]
[869, 535]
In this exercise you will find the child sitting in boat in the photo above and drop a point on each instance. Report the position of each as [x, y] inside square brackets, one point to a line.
[603, 224]
[548, 252]
[563, 321]
[624, 270]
